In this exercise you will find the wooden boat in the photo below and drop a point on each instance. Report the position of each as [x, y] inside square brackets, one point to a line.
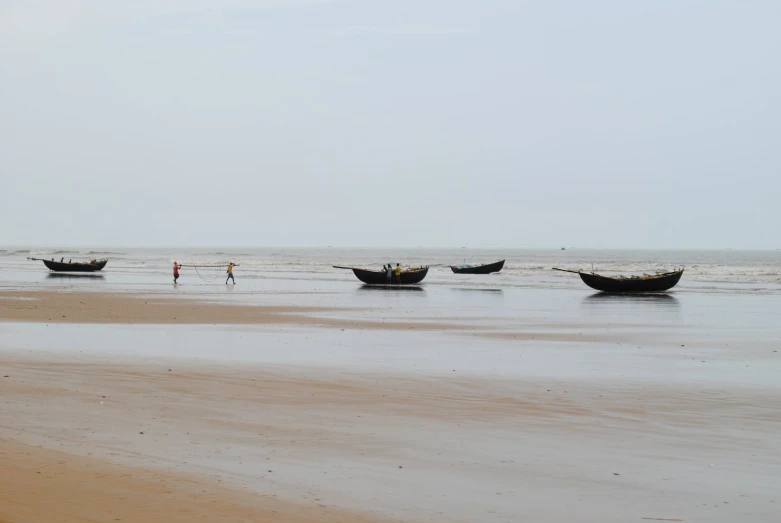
[478, 269]
[659, 282]
[409, 276]
[73, 266]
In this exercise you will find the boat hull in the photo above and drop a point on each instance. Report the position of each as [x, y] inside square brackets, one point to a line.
[479, 269]
[659, 283]
[74, 267]
[409, 277]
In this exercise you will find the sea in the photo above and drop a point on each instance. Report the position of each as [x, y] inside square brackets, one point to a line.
[705, 270]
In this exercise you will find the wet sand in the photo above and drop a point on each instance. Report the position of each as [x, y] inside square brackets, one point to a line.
[440, 405]
[126, 307]
[74, 307]
[400, 447]
[129, 308]
[48, 486]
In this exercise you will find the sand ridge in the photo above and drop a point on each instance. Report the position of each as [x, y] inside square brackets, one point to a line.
[164, 309]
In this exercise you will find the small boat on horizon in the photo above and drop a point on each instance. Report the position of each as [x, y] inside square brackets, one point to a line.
[478, 269]
[658, 282]
[63, 266]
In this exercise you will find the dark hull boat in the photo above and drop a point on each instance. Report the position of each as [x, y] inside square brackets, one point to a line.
[407, 277]
[478, 269]
[634, 284]
[73, 267]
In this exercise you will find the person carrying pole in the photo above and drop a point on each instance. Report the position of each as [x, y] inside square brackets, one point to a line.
[176, 271]
[230, 274]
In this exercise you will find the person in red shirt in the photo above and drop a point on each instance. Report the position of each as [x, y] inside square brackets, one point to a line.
[176, 271]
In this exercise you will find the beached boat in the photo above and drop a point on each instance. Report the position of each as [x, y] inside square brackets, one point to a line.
[478, 269]
[409, 276]
[659, 282]
[91, 266]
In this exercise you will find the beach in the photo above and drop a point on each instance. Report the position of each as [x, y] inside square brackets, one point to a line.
[50, 486]
[312, 398]
[320, 261]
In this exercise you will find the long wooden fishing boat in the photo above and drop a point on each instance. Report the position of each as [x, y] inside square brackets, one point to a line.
[91, 266]
[659, 282]
[478, 269]
[409, 276]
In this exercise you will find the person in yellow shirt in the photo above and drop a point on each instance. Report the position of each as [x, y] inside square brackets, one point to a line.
[230, 274]
[397, 271]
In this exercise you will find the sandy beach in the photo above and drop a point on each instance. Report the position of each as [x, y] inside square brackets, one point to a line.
[311, 444]
[125, 307]
[49, 486]
[550, 406]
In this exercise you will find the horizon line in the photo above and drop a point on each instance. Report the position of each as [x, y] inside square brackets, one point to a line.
[378, 247]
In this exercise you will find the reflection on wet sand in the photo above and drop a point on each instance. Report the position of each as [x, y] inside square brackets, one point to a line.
[75, 275]
[634, 302]
[496, 292]
[389, 288]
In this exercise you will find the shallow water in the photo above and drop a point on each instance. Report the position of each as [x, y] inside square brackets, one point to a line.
[706, 271]
[560, 334]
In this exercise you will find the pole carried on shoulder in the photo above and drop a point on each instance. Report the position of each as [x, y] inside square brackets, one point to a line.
[199, 265]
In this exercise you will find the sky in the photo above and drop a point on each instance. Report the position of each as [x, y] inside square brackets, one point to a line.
[599, 124]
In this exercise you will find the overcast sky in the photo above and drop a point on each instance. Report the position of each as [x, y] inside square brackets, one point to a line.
[402, 123]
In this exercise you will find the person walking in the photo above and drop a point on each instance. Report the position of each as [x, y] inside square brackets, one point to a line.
[230, 274]
[176, 271]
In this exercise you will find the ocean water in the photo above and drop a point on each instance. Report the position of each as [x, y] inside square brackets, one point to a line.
[719, 271]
